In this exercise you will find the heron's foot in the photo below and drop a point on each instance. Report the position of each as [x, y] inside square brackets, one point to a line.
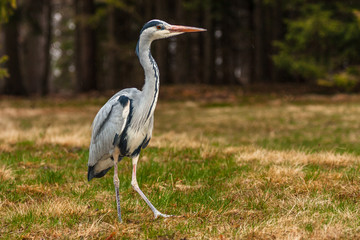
[157, 214]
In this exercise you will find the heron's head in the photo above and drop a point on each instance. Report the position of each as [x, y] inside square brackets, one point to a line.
[158, 29]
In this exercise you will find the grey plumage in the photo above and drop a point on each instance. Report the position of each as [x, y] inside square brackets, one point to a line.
[124, 125]
[110, 120]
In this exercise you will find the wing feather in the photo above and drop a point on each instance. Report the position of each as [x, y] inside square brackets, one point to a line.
[109, 121]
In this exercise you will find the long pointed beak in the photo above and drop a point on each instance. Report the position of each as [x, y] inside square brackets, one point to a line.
[179, 28]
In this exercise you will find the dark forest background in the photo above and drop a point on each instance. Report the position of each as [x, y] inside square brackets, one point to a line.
[68, 46]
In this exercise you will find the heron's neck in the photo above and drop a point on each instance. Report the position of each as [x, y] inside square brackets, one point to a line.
[150, 89]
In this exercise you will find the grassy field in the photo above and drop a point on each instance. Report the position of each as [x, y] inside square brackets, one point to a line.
[255, 167]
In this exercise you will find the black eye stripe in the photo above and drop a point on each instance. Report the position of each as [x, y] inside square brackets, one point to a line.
[150, 24]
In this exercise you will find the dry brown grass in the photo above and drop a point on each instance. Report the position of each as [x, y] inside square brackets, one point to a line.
[67, 126]
[6, 173]
[295, 157]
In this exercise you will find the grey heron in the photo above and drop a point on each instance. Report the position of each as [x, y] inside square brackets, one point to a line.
[124, 125]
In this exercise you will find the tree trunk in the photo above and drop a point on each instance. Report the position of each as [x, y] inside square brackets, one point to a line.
[179, 44]
[46, 75]
[227, 52]
[276, 34]
[85, 47]
[259, 55]
[208, 58]
[14, 84]
[194, 49]
[161, 47]
[241, 43]
[36, 34]
[110, 58]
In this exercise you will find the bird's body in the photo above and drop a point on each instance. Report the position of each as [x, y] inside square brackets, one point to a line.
[124, 125]
[118, 116]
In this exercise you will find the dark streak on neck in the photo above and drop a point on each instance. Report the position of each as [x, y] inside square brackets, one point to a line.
[155, 68]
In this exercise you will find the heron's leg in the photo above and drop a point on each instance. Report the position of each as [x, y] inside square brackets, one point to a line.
[116, 154]
[135, 185]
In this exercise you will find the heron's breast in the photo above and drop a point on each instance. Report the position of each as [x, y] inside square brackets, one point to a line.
[134, 138]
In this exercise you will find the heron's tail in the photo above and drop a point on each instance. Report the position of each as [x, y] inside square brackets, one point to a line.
[101, 168]
[93, 174]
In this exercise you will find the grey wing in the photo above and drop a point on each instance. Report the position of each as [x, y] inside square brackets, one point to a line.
[109, 121]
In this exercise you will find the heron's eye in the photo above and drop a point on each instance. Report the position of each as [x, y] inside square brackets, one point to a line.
[158, 27]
